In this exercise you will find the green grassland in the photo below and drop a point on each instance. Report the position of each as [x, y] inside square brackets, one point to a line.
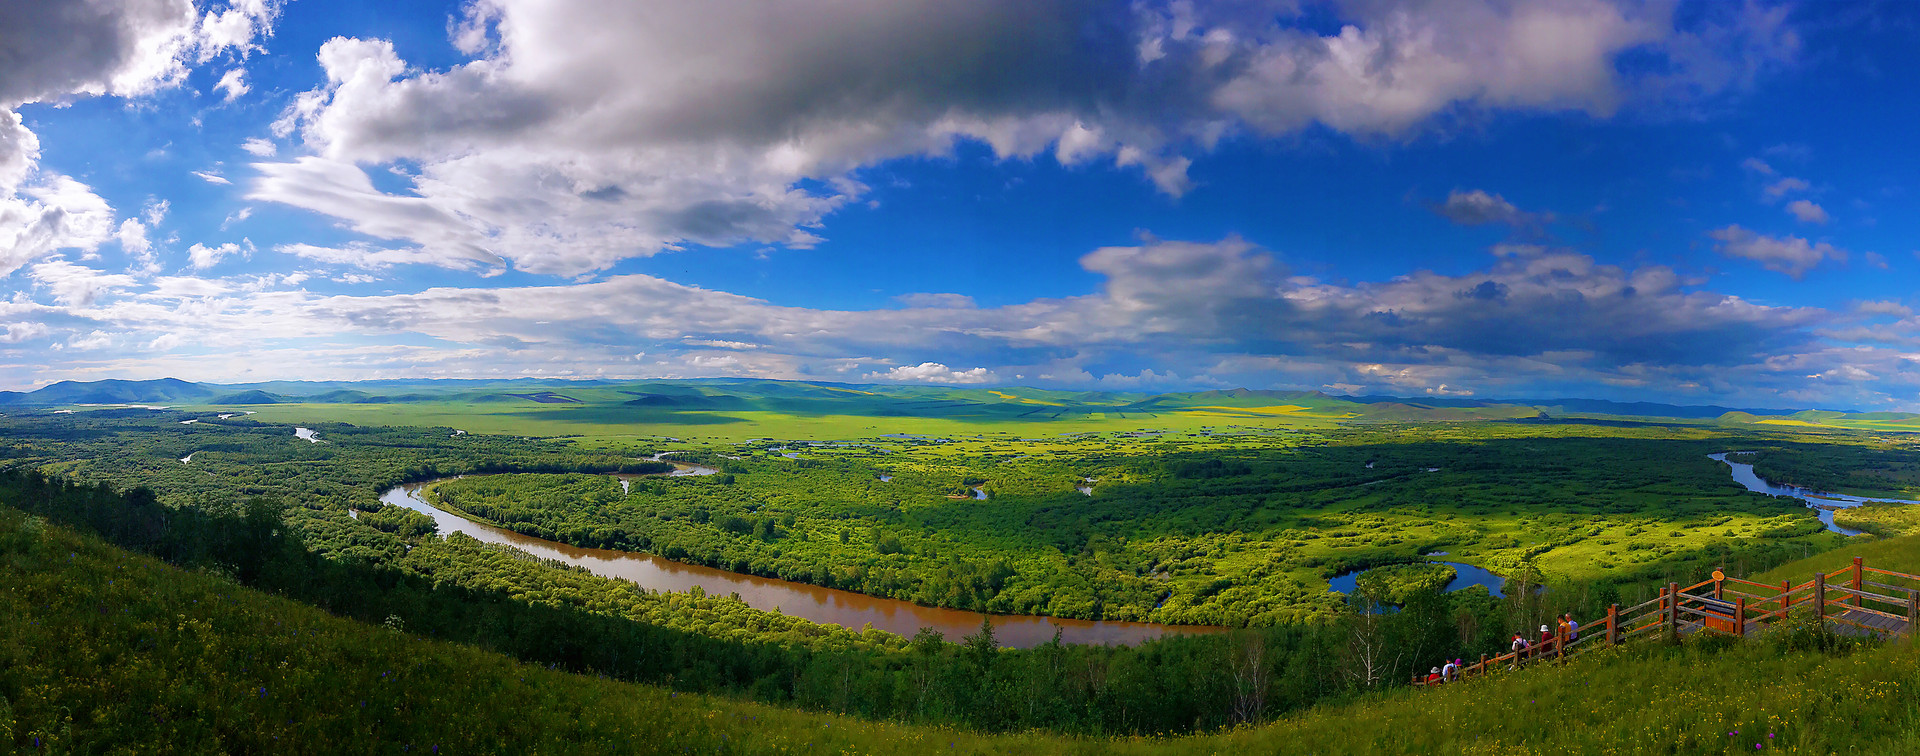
[1223, 524]
[1165, 534]
[737, 409]
[1885, 520]
[597, 425]
[1707, 697]
[104, 651]
[1899, 554]
[1221, 508]
[732, 411]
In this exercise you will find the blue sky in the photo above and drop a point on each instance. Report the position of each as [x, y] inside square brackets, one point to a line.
[1690, 202]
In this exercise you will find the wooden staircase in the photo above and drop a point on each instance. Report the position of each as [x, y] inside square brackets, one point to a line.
[1852, 600]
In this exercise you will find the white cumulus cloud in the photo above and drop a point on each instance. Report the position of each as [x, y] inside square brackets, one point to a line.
[232, 84]
[55, 51]
[1791, 255]
[583, 132]
[258, 147]
[1807, 212]
[18, 332]
[202, 256]
[934, 372]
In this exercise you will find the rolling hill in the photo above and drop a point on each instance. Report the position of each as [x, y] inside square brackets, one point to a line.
[102, 650]
[646, 401]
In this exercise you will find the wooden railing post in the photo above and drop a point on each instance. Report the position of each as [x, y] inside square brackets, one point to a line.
[1483, 665]
[1820, 599]
[1740, 617]
[1673, 611]
[1786, 587]
[1857, 582]
[1913, 610]
[1716, 584]
[1613, 624]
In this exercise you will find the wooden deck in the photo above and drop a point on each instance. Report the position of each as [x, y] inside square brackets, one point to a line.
[1855, 601]
[1860, 624]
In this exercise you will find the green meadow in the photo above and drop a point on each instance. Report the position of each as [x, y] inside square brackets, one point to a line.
[101, 650]
[1230, 509]
[731, 411]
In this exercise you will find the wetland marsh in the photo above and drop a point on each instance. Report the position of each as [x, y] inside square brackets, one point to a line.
[1151, 548]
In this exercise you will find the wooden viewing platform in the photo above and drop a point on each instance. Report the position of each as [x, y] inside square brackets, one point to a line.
[1855, 600]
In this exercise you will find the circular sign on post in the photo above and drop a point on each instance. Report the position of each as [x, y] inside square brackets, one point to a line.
[1718, 575]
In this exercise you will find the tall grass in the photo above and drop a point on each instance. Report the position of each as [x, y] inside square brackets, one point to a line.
[1900, 554]
[104, 651]
[1704, 696]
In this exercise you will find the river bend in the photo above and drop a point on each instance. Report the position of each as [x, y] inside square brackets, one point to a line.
[811, 602]
[1821, 501]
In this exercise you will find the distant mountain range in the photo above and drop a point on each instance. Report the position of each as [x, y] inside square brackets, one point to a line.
[1594, 406]
[724, 394]
[176, 391]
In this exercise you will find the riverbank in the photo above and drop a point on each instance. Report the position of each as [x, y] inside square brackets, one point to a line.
[1824, 503]
[854, 611]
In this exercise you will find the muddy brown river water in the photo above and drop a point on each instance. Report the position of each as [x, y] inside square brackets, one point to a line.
[811, 602]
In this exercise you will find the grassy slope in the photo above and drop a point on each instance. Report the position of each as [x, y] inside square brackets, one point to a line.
[732, 426]
[1887, 520]
[101, 649]
[726, 412]
[1644, 699]
[1898, 554]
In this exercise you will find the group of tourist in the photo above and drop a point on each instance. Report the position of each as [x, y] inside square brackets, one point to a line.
[1551, 641]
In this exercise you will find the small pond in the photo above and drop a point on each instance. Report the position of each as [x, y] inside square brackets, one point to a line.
[1464, 576]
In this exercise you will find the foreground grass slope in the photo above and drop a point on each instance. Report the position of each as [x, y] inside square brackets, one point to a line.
[105, 651]
[1701, 697]
[1899, 554]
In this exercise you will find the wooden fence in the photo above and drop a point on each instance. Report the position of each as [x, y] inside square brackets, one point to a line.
[1853, 600]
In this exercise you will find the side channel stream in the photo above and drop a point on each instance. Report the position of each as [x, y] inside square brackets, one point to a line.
[1821, 501]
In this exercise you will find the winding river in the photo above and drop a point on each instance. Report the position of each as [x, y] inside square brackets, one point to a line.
[1821, 501]
[904, 618]
[811, 602]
